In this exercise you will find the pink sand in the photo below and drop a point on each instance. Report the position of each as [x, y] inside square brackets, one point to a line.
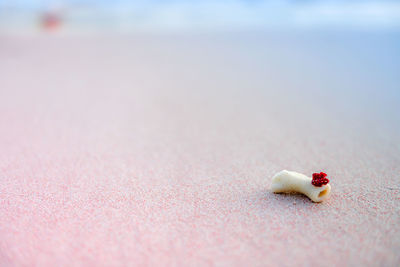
[158, 151]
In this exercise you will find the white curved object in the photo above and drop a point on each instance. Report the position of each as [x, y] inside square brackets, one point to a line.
[288, 181]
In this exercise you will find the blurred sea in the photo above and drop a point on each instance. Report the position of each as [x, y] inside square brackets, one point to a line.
[179, 15]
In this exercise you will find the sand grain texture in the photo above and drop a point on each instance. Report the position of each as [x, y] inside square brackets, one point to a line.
[159, 151]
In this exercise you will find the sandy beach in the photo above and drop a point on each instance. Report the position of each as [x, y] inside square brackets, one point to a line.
[158, 150]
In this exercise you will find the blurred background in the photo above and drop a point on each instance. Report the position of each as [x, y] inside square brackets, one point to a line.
[189, 15]
[344, 52]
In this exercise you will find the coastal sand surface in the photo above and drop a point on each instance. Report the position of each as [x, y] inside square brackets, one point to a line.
[158, 150]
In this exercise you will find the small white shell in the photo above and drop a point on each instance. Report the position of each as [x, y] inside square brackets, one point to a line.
[288, 181]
